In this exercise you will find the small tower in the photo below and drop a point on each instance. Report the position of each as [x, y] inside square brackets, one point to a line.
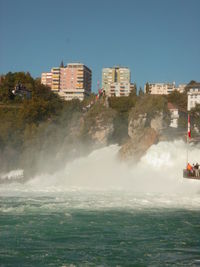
[62, 64]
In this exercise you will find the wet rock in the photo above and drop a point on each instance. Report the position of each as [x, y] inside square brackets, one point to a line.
[137, 146]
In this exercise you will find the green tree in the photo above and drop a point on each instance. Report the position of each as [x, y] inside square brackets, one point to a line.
[141, 92]
[178, 99]
[195, 118]
[149, 104]
[147, 88]
[122, 105]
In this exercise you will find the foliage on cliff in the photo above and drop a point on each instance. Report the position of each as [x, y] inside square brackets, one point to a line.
[150, 105]
[178, 99]
[43, 131]
[195, 120]
[30, 126]
[122, 106]
[98, 115]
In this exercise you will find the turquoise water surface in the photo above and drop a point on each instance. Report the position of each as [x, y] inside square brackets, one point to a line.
[99, 229]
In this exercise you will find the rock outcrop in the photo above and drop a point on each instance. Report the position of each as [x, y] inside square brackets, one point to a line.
[101, 131]
[143, 132]
[136, 146]
[136, 125]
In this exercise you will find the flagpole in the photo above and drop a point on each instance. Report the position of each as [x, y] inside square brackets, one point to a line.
[187, 151]
[188, 136]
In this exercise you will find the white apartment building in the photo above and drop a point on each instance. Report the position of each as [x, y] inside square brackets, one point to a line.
[164, 88]
[193, 97]
[160, 88]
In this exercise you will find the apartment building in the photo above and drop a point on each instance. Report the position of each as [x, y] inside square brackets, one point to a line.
[163, 88]
[120, 89]
[160, 88]
[193, 97]
[75, 81]
[116, 81]
[55, 86]
[72, 81]
[181, 88]
[46, 78]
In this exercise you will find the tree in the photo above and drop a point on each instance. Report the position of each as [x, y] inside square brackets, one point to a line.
[141, 92]
[195, 116]
[149, 104]
[192, 84]
[133, 92]
[178, 99]
[147, 88]
[121, 104]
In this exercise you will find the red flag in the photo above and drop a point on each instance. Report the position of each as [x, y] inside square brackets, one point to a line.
[189, 129]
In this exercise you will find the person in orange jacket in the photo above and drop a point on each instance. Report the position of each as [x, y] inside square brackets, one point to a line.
[189, 168]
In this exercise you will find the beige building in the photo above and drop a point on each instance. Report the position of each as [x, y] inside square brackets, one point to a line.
[120, 89]
[116, 81]
[181, 88]
[160, 88]
[46, 78]
[72, 81]
[164, 88]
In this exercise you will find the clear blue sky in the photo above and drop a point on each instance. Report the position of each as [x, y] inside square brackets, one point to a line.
[159, 40]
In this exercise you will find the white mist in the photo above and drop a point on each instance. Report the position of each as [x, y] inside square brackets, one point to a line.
[160, 170]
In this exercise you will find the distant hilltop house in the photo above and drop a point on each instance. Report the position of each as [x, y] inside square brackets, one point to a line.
[163, 88]
[193, 96]
[21, 91]
[69, 82]
[116, 81]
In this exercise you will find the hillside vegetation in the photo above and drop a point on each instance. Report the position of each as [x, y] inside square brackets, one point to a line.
[41, 132]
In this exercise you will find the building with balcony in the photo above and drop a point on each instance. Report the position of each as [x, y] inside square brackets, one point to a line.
[160, 88]
[163, 88]
[120, 89]
[55, 86]
[193, 97]
[116, 81]
[46, 78]
[72, 81]
[75, 81]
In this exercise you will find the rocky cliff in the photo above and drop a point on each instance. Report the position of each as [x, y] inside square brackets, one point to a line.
[101, 131]
[143, 132]
[98, 125]
[136, 146]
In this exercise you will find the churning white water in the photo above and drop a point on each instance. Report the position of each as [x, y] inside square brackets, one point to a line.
[159, 171]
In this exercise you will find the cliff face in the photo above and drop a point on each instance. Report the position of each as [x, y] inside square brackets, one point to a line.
[136, 146]
[143, 132]
[137, 125]
[101, 131]
[98, 125]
